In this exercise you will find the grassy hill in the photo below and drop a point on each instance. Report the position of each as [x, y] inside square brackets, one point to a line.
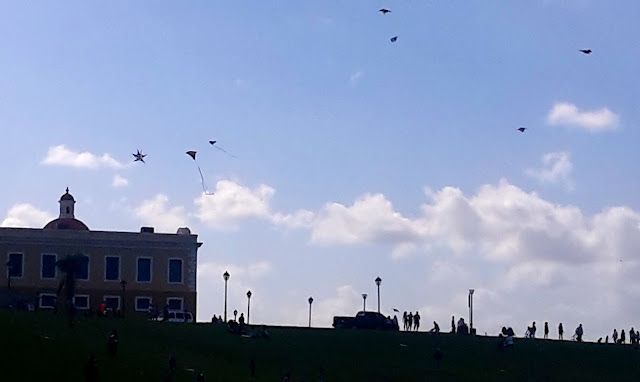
[40, 346]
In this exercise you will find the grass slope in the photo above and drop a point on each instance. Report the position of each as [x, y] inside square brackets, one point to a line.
[40, 346]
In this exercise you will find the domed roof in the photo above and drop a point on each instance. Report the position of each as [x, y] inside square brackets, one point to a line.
[67, 223]
[67, 196]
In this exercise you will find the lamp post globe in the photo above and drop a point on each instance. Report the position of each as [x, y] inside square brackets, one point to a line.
[378, 282]
[364, 302]
[310, 302]
[248, 305]
[225, 276]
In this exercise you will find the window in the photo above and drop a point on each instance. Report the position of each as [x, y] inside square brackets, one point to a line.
[143, 303]
[174, 303]
[112, 268]
[112, 302]
[81, 301]
[144, 270]
[48, 266]
[47, 301]
[175, 270]
[15, 265]
[82, 269]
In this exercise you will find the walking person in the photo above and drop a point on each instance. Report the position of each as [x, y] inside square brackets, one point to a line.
[623, 337]
[579, 333]
[416, 321]
[614, 336]
[453, 324]
[409, 321]
[560, 332]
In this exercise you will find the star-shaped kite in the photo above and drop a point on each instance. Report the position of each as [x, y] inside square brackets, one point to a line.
[139, 156]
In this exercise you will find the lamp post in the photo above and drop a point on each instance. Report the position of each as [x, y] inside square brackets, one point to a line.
[235, 314]
[378, 282]
[248, 305]
[123, 285]
[9, 274]
[364, 302]
[225, 276]
[310, 302]
[471, 311]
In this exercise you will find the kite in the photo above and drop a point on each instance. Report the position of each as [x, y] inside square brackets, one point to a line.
[521, 129]
[139, 157]
[192, 154]
[213, 143]
[384, 11]
[585, 51]
[394, 38]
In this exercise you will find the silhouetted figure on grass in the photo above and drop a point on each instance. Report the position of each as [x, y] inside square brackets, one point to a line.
[606, 339]
[436, 328]
[453, 324]
[241, 319]
[437, 356]
[632, 336]
[416, 321]
[531, 331]
[91, 369]
[172, 363]
[409, 321]
[112, 343]
[614, 336]
[579, 333]
[623, 337]
[560, 332]
[404, 320]
[600, 340]
[252, 365]
[546, 330]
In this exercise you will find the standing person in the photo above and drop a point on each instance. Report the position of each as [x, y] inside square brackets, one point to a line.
[623, 337]
[546, 330]
[416, 321]
[614, 336]
[404, 320]
[409, 321]
[579, 333]
[560, 331]
[453, 324]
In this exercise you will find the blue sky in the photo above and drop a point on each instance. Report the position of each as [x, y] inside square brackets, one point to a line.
[356, 157]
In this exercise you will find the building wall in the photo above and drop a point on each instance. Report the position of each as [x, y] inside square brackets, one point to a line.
[97, 245]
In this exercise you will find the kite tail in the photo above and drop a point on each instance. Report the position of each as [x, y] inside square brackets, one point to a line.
[225, 151]
[204, 184]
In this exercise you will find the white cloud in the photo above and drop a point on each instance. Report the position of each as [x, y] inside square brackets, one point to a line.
[61, 156]
[119, 181]
[355, 78]
[155, 212]
[564, 113]
[26, 215]
[556, 167]
[370, 218]
[232, 202]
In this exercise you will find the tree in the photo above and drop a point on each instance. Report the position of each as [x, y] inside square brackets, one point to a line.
[69, 266]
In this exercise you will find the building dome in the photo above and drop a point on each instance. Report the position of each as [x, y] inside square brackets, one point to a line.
[67, 219]
[67, 223]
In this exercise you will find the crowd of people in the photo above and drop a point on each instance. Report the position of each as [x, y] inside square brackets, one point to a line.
[411, 321]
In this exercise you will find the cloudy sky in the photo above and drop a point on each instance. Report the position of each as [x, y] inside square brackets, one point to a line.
[355, 157]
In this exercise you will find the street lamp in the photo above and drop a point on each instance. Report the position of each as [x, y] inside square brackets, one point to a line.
[378, 282]
[123, 285]
[9, 267]
[235, 314]
[248, 305]
[225, 276]
[364, 302]
[471, 311]
[310, 302]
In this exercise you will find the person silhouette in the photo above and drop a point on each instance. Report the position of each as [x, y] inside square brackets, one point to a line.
[546, 330]
[560, 331]
[241, 319]
[404, 320]
[453, 324]
[416, 321]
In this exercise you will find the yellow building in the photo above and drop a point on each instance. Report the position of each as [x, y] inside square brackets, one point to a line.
[129, 271]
